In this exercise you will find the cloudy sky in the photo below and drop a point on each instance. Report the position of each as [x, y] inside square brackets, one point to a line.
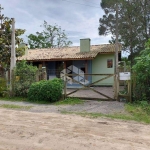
[79, 18]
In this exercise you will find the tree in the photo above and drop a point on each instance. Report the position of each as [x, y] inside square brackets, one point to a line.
[5, 41]
[50, 37]
[133, 23]
[141, 76]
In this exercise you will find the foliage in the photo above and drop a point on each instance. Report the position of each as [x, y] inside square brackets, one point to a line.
[24, 76]
[70, 101]
[133, 23]
[3, 87]
[50, 37]
[50, 90]
[5, 41]
[139, 111]
[142, 75]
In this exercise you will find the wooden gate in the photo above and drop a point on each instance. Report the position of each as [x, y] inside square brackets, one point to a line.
[91, 87]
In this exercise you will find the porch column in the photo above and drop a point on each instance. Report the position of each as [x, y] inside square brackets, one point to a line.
[64, 65]
[44, 72]
[65, 83]
[86, 69]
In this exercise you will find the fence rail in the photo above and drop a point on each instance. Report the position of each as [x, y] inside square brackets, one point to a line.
[87, 86]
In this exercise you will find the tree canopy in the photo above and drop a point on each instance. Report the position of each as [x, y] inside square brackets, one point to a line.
[5, 41]
[141, 76]
[133, 22]
[50, 37]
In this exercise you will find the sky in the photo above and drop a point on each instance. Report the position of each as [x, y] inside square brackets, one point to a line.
[79, 18]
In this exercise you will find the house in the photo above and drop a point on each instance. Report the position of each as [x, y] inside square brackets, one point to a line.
[90, 59]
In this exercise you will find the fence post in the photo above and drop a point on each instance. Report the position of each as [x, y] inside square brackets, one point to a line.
[129, 90]
[116, 86]
[65, 86]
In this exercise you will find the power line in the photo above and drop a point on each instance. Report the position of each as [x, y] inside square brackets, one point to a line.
[80, 4]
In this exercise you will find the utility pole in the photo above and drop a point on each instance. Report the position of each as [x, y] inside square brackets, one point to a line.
[13, 53]
[116, 57]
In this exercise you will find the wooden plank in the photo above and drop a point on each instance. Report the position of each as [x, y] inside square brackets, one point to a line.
[65, 87]
[101, 93]
[129, 90]
[89, 74]
[100, 80]
[90, 98]
[65, 82]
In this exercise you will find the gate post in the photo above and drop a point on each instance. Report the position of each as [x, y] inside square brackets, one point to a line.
[65, 86]
[116, 86]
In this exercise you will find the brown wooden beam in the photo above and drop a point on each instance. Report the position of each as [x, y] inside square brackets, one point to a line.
[64, 65]
[86, 69]
[90, 74]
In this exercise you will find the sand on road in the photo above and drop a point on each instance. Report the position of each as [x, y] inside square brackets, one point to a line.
[20, 130]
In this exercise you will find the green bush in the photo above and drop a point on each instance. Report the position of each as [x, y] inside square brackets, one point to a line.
[26, 76]
[3, 86]
[141, 69]
[50, 90]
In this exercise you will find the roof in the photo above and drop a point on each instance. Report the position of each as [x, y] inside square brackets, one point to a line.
[67, 53]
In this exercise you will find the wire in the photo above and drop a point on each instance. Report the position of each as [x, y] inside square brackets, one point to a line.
[80, 3]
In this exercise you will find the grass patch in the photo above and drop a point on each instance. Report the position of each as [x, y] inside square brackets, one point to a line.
[139, 112]
[15, 99]
[136, 112]
[97, 115]
[69, 101]
[22, 99]
[12, 106]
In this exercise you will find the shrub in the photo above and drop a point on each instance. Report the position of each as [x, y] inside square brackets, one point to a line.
[3, 86]
[141, 69]
[24, 76]
[50, 90]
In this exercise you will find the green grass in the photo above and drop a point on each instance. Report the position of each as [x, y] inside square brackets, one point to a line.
[69, 101]
[140, 113]
[133, 112]
[96, 115]
[21, 99]
[12, 106]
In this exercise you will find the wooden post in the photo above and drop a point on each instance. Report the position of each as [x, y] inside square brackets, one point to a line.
[116, 58]
[129, 90]
[86, 69]
[65, 82]
[13, 52]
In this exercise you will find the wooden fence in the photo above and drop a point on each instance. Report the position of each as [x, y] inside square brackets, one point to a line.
[89, 86]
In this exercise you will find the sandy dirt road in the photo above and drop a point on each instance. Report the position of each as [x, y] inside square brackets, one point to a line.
[20, 130]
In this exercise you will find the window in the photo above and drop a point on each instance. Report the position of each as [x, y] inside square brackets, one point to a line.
[109, 63]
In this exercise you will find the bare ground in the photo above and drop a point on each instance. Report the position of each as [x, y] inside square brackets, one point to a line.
[22, 130]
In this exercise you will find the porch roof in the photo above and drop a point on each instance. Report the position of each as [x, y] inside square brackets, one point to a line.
[67, 53]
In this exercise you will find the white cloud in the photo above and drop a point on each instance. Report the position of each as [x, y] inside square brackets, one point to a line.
[78, 21]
